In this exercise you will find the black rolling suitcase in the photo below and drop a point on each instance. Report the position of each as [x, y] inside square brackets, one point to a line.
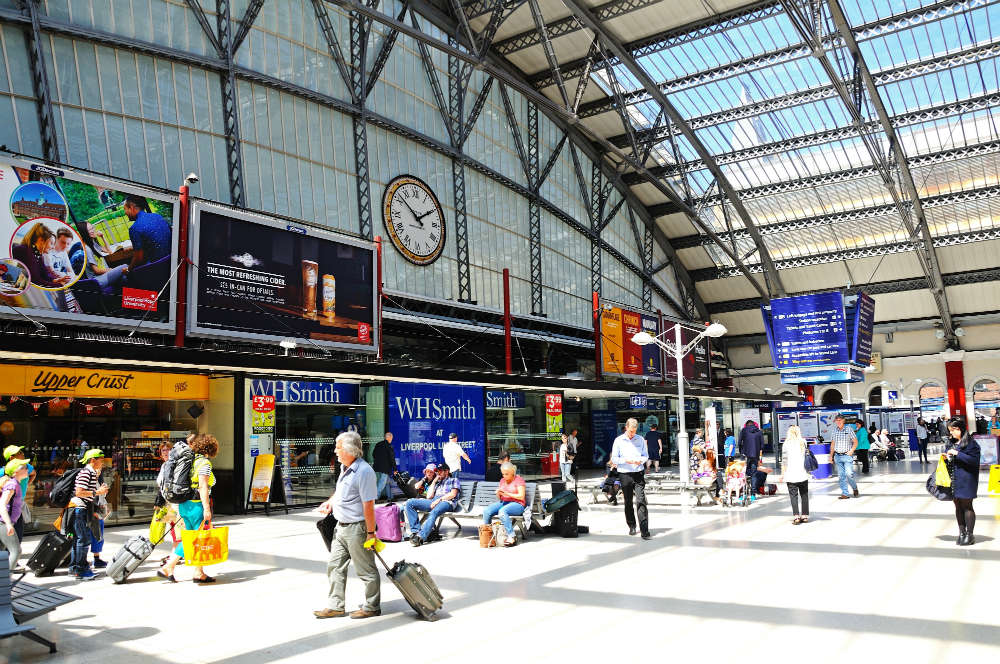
[416, 585]
[50, 554]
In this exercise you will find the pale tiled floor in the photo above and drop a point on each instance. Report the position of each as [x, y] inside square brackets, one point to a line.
[878, 577]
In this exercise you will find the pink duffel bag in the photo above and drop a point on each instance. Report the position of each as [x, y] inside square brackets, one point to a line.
[387, 526]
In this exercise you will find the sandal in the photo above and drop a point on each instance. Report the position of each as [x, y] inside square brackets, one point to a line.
[796, 521]
[805, 519]
[510, 542]
[167, 577]
[204, 579]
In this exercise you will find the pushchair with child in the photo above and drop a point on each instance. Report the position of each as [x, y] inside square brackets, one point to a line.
[737, 490]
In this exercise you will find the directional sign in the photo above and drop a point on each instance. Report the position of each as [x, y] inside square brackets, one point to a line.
[809, 331]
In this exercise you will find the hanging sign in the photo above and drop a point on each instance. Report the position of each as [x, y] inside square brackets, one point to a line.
[553, 415]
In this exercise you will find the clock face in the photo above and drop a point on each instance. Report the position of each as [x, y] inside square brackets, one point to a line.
[413, 219]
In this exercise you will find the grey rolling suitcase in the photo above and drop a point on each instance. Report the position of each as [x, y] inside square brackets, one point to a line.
[129, 557]
[417, 587]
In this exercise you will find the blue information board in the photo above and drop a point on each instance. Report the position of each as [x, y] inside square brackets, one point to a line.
[864, 326]
[421, 415]
[809, 331]
[604, 428]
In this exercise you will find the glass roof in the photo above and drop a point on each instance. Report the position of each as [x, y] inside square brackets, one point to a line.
[936, 65]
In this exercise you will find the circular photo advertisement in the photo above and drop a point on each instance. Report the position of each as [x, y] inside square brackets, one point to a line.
[14, 277]
[50, 250]
[32, 200]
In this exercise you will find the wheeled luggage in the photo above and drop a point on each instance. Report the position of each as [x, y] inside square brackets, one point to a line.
[558, 501]
[565, 507]
[416, 585]
[51, 552]
[406, 484]
[129, 557]
[387, 526]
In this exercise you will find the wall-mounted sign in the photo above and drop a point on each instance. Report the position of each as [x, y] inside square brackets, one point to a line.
[79, 248]
[553, 414]
[254, 279]
[422, 415]
[306, 392]
[638, 401]
[24, 380]
[504, 400]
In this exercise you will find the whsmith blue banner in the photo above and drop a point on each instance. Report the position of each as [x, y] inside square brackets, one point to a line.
[306, 392]
[504, 400]
[421, 415]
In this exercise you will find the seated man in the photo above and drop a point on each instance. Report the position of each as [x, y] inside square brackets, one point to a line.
[511, 492]
[443, 497]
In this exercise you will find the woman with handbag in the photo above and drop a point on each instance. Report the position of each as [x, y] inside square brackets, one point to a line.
[964, 453]
[197, 512]
[793, 454]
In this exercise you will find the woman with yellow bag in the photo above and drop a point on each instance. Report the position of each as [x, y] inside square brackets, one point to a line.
[964, 453]
[197, 512]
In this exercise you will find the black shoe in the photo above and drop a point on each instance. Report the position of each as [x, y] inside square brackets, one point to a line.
[856, 494]
[646, 536]
[416, 540]
[961, 536]
[632, 531]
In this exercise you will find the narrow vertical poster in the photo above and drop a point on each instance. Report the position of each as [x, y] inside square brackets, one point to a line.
[612, 353]
[631, 325]
[651, 352]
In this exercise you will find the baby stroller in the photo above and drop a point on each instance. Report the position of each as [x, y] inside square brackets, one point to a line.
[737, 491]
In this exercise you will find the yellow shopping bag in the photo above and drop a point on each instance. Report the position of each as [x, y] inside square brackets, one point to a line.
[158, 525]
[942, 478]
[206, 547]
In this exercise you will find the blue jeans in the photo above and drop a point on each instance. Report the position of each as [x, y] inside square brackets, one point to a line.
[382, 482]
[424, 505]
[81, 540]
[504, 511]
[565, 469]
[97, 545]
[845, 472]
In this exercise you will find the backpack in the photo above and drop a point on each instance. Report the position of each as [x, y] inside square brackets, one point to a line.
[176, 483]
[64, 488]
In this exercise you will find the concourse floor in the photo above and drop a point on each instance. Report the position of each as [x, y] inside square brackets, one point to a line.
[878, 576]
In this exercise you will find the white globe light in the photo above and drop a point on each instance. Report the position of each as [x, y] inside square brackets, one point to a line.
[642, 338]
[715, 330]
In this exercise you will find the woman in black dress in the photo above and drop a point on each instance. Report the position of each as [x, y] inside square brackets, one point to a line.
[964, 453]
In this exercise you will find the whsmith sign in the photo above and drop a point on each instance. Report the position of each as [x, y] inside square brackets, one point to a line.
[305, 392]
[422, 415]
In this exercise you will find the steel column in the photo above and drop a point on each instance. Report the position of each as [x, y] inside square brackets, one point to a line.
[457, 80]
[230, 107]
[40, 83]
[534, 214]
[249, 16]
[596, 208]
[507, 357]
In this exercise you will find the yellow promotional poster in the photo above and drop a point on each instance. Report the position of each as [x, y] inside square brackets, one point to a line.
[260, 481]
[206, 547]
[553, 414]
[262, 421]
[34, 381]
[612, 351]
[994, 482]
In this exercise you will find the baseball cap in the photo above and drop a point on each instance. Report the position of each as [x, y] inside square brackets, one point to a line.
[444, 466]
[452, 435]
[430, 466]
[11, 450]
[92, 454]
[13, 465]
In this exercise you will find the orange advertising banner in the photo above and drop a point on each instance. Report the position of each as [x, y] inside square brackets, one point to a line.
[35, 381]
[612, 352]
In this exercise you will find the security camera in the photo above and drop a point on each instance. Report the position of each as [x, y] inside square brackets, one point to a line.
[191, 178]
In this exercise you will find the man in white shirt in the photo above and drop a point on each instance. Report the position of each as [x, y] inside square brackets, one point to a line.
[629, 455]
[453, 455]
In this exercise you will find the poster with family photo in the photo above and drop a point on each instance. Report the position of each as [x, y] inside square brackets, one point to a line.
[74, 246]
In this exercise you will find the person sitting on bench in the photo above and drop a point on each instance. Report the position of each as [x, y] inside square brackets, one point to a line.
[443, 492]
[511, 492]
[425, 482]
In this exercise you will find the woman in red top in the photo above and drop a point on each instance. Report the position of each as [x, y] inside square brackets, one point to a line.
[511, 493]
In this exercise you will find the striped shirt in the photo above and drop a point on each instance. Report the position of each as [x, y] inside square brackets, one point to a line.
[86, 479]
[843, 440]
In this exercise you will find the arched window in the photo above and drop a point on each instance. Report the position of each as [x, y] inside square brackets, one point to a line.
[986, 398]
[875, 396]
[832, 397]
[933, 401]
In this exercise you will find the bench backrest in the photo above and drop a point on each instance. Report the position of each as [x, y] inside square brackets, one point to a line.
[7, 622]
[468, 492]
[486, 495]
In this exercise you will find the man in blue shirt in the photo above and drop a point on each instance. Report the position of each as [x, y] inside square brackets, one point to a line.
[629, 455]
[149, 232]
[353, 505]
[443, 492]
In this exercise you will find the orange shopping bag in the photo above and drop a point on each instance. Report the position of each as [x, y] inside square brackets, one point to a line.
[206, 547]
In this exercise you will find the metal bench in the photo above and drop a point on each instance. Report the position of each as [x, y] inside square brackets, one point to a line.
[22, 602]
[489, 496]
[481, 496]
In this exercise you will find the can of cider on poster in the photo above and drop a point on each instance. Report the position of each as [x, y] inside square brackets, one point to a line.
[310, 273]
[329, 296]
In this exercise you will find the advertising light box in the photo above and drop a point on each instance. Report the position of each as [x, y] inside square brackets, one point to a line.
[80, 248]
[258, 277]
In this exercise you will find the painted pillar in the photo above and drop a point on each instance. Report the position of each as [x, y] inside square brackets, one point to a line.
[955, 374]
